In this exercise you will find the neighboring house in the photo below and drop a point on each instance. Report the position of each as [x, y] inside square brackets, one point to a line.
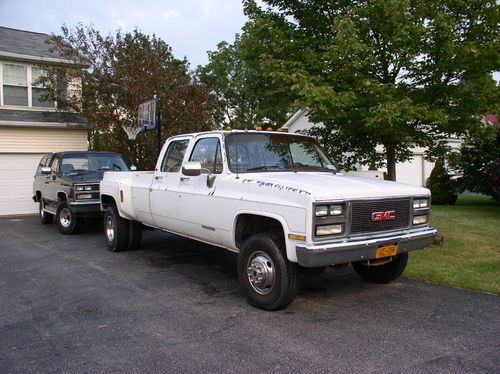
[414, 171]
[29, 125]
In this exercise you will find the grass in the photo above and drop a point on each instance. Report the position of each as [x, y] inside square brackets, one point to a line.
[470, 255]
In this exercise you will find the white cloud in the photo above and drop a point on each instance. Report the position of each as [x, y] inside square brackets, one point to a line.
[168, 14]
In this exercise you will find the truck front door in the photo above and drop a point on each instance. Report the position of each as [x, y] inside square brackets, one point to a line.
[197, 204]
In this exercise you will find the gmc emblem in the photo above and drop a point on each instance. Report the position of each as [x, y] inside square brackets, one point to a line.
[383, 216]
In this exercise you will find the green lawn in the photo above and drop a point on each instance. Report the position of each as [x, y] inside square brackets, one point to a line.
[470, 255]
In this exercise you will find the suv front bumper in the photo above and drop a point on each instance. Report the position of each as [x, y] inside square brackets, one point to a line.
[341, 252]
[90, 207]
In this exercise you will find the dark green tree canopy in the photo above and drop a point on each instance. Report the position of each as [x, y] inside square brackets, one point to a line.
[124, 70]
[392, 72]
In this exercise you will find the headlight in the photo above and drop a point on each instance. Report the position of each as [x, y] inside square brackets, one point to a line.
[79, 188]
[84, 196]
[420, 203]
[88, 188]
[420, 220]
[329, 230]
[321, 211]
[335, 210]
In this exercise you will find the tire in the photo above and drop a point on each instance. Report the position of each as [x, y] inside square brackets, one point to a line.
[134, 235]
[66, 219]
[45, 218]
[264, 253]
[116, 230]
[382, 273]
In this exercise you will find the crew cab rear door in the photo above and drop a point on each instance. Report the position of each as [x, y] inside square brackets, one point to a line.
[165, 186]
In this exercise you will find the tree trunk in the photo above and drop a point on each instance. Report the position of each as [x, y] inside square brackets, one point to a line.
[390, 152]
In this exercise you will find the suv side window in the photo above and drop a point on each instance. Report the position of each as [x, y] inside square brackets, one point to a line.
[55, 165]
[207, 151]
[43, 162]
[174, 155]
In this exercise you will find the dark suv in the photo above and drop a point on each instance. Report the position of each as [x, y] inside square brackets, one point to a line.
[67, 185]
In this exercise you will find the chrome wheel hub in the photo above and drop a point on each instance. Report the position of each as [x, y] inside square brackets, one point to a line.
[260, 272]
[110, 229]
[65, 217]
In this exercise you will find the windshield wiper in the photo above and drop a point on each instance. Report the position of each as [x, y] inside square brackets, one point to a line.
[270, 168]
[82, 171]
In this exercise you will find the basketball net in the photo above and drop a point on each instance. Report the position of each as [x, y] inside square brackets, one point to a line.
[132, 130]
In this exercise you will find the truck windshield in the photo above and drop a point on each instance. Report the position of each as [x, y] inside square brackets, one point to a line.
[251, 152]
[91, 163]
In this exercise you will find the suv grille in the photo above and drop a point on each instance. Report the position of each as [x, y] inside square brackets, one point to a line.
[361, 213]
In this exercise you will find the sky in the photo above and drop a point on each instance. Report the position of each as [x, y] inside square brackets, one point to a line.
[190, 27]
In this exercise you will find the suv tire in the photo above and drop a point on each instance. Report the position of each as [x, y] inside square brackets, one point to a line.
[66, 219]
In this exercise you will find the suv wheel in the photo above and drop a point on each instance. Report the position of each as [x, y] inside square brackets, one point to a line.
[66, 219]
[268, 278]
[45, 217]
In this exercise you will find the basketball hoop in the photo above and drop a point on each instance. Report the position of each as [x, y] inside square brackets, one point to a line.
[132, 130]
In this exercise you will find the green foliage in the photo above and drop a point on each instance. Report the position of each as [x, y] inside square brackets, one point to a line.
[390, 72]
[247, 94]
[443, 188]
[479, 163]
[122, 71]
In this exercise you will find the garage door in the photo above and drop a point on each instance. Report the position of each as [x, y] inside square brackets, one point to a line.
[16, 183]
[410, 171]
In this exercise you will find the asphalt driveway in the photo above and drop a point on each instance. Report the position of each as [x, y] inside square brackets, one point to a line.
[69, 305]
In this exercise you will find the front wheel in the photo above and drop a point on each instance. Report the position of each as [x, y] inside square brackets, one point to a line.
[66, 219]
[116, 230]
[270, 281]
[382, 273]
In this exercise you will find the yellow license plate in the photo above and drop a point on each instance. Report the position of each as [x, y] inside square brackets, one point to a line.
[387, 250]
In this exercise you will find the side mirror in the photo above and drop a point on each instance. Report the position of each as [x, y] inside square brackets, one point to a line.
[46, 170]
[133, 168]
[191, 168]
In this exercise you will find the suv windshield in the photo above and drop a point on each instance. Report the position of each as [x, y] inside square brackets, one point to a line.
[251, 152]
[91, 163]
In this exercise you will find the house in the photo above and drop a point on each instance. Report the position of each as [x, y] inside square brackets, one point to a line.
[30, 125]
[414, 171]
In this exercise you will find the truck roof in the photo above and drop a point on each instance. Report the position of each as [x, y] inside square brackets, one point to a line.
[228, 132]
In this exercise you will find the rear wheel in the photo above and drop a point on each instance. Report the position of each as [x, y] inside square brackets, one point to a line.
[268, 278]
[45, 217]
[66, 219]
[116, 230]
[382, 273]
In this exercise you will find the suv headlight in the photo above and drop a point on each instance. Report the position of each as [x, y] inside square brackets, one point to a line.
[325, 210]
[420, 203]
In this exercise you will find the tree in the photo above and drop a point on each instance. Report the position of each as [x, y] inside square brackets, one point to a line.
[444, 189]
[246, 92]
[479, 163]
[121, 72]
[393, 72]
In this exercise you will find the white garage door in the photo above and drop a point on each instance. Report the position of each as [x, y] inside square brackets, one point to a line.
[411, 171]
[16, 183]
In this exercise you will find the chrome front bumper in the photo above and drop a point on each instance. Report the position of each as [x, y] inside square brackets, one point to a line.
[351, 250]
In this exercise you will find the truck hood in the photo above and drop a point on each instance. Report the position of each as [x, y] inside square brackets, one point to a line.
[329, 186]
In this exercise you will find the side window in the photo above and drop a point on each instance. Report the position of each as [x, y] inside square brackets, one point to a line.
[55, 165]
[174, 155]
[207, 151]
[43, 162]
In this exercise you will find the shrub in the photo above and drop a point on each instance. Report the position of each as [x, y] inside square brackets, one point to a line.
[444, 189]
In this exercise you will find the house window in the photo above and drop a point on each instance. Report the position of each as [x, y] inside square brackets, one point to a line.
[21, 87]
[40, 96]
[15, 85]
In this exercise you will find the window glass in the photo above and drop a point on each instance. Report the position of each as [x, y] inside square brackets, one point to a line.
[43, 162]
[36, 74]
[41, 98]
[174, 155]
[15, 85]
[207, 151]
[87, 163]
[55, 165]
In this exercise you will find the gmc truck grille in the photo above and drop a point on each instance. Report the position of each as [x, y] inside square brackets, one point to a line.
[371, 215]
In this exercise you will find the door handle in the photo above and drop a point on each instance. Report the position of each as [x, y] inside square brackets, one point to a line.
[184, 179]
[158, 177]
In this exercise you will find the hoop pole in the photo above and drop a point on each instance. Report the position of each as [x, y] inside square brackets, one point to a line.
[158, 125]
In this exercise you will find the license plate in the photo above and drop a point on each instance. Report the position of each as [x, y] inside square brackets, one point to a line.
[387, 250]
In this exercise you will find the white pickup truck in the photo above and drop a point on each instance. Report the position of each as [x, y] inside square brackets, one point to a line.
[278, 201]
